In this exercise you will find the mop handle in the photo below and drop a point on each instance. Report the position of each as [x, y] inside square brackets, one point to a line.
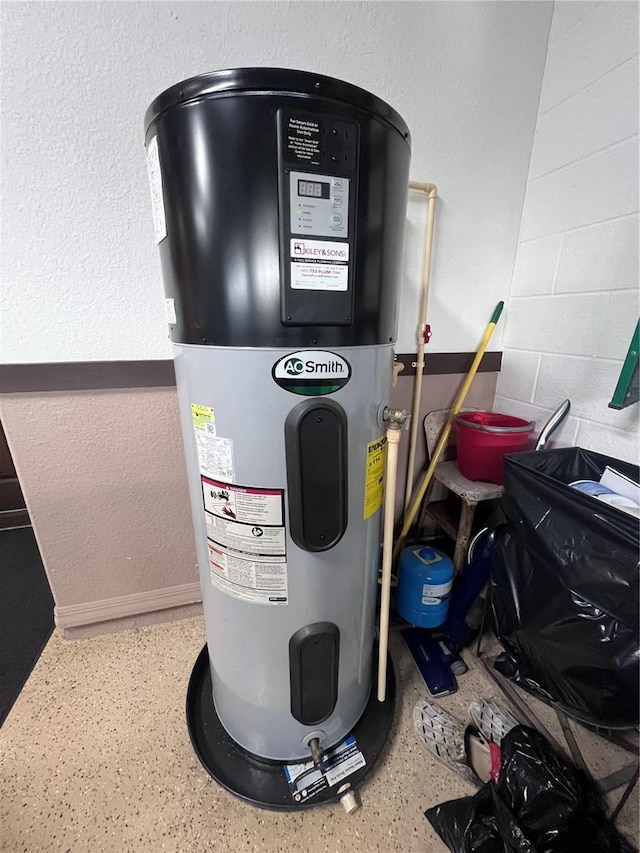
[446, 430]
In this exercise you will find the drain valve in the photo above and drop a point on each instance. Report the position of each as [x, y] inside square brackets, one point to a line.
[349, 798]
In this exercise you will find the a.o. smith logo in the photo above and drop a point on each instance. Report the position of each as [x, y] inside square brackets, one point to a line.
[312, 372]
[293, 367]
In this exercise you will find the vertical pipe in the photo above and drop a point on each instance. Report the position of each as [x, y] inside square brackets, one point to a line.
[432, 194]
[393, 440]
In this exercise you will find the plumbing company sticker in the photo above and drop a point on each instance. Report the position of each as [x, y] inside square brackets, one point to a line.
[306, 780]
[246, 541]
[157, 195]
[319, 265]
[374, 475]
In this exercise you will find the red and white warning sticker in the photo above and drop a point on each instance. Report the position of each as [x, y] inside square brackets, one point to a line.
[246, 541]
[243, 503]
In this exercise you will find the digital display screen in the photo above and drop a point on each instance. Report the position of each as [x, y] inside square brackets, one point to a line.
[313, 189]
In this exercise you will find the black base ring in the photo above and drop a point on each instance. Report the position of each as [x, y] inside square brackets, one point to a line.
[262, 783]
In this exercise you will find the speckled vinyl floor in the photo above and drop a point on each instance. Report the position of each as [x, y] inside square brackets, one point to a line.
[95, 757]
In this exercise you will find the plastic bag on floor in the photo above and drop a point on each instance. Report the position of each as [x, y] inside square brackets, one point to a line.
[564, 587]
[541, 804]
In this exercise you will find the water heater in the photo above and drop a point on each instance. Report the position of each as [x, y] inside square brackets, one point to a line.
[279, 202]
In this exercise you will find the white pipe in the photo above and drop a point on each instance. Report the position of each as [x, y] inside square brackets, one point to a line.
[393, 440]
[432, 194]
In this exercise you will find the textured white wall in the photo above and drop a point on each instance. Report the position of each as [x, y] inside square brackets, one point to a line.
[80, 273]
[574, 297]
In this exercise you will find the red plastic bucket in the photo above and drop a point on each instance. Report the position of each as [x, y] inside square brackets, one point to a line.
[484, 438]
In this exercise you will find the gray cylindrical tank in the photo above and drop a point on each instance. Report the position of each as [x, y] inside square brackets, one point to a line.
[279, 205]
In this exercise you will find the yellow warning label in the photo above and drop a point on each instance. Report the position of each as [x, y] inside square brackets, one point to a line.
[203, 418]
[374, 475]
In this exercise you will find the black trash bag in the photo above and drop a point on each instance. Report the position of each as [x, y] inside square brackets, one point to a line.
[564, 587]
[541, 804]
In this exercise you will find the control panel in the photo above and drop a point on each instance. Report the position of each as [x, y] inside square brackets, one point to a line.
[318, 160]
[319, 204]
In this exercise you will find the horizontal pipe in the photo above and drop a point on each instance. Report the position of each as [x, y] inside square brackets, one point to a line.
[430, 189]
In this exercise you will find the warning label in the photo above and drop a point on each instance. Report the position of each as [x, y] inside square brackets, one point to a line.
[249, 538]
[243, 504]
[302, 141]
[257, 579]
[374, 475]
[203, 418]
[246, 540]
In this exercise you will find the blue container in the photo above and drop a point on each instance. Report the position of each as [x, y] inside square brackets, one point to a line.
[424, 586]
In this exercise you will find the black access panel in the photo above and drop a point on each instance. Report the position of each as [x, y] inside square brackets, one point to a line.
[318, 156]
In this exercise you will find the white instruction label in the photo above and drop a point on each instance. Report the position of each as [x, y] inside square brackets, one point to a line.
[261, 580]
[246, 540]
[306, 780]
[319, 276]
[170, 310]
[215, 455]
[436, 593]
[249, 538]
[157, 195]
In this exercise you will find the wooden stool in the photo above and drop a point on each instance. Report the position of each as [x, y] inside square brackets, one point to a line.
[448, 474]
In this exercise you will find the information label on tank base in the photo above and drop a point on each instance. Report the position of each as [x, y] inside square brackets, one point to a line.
[246, 541]
[374, 475]
[306, 780]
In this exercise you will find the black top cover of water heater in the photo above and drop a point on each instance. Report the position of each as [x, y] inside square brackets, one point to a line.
[284, 196]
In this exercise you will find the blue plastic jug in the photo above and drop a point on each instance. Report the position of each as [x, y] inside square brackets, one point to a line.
[424, 586]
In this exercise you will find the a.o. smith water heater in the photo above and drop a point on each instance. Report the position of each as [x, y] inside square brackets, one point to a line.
[279, 204]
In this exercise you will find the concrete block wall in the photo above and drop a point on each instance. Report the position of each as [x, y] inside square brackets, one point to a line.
[574, 300]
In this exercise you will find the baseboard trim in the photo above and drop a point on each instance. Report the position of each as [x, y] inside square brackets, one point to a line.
[12, 518]
[92, 612]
